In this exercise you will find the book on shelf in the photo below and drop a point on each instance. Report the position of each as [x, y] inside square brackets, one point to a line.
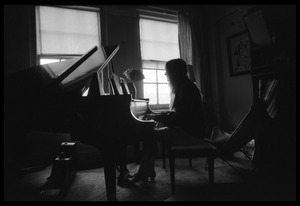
[273, 111]
[264, 87]
[270, 88]
[259, 88]
[273, 90]
[272, 105]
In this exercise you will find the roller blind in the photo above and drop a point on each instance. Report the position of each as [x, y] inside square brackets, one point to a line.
[67, 31]
[159, 40]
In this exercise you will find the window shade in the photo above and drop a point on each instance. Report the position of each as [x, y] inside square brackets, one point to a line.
[159, 40]
[67, 31]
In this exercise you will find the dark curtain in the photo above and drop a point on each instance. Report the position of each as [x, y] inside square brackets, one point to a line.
[193, 45]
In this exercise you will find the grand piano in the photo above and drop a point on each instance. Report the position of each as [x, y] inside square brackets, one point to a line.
[68, 96]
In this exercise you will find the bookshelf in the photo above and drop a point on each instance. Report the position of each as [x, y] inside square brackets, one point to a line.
[274, 86]
[273, 72]
[266, 87]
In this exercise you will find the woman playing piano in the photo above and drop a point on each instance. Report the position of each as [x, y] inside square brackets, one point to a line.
[184, 122]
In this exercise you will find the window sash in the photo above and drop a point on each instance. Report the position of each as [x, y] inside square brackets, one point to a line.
[156, 50]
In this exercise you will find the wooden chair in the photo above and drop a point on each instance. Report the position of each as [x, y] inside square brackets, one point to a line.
[189, 152]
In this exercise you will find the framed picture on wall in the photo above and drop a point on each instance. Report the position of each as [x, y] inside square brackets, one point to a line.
[239, 53]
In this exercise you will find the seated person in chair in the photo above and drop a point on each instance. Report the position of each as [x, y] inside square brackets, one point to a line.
[184, 122]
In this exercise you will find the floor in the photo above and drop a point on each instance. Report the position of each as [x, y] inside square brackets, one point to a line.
[234, 181]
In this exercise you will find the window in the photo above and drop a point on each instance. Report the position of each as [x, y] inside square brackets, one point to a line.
[66, 32]
[159, 43]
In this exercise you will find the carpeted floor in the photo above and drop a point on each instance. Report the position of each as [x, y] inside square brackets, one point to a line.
[231, 184]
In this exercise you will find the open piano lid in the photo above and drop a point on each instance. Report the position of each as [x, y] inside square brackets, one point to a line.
[71, 75]
[79, 71]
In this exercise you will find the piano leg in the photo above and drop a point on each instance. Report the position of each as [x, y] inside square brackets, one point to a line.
[109, 160]
[122, 164]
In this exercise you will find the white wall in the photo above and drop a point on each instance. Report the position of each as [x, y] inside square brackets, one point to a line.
[232, 94]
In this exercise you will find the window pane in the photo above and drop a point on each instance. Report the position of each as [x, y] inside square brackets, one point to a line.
[67, 31]
[163, 94]
[48, 61]
[150, 92]
[150, 75]
[161, 76]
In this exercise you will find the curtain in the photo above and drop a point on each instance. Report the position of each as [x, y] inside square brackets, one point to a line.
[193, 46]
[184, 38]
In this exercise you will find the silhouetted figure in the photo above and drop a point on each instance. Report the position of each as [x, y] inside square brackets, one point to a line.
[184, 120]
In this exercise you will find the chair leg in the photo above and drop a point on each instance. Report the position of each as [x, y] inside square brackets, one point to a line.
[190, 163]
[172, 173]
[206, 165]
[210, 161]
[163, 151]
[137, 153]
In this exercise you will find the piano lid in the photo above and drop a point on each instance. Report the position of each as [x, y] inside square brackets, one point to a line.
[69, 75]
[59, 75]
[80, 73]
